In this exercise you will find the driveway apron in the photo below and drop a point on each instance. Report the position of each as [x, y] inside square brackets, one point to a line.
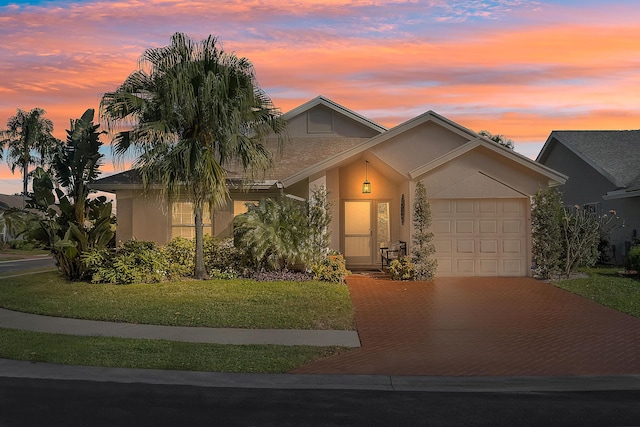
[482, 326]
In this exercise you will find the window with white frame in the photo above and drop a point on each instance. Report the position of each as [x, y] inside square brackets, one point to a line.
[183, 220]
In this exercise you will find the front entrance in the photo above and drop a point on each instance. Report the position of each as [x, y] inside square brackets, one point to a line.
[367, 227]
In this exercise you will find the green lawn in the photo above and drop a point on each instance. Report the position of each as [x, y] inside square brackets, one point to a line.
[605, 286]
[14, 254]
[154, 354]
[212, 303]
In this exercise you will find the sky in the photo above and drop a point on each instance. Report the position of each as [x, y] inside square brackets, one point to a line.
[512, 67]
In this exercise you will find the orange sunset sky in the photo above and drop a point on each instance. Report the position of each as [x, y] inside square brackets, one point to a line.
[515, 67]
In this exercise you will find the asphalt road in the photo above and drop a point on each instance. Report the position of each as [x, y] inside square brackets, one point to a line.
[26, 264]
[39, 402]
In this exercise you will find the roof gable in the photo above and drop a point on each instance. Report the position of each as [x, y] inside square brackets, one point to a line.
[313, 115]
[424, 158]
[405, 128]
[614, 154]
[482, 143]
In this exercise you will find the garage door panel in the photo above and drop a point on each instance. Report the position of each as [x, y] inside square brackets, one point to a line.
[464, 246]
[512, 207]
[489, 267]
[510, 246]
[444, 267]
[480, 237]
[464, 226]
[488, 226]
[441, 206]
[488, 207]
[462, 206]
[465, 266]
[512, 226]
[441, 226]
[443, 246]
[488, 246]
[513, 267]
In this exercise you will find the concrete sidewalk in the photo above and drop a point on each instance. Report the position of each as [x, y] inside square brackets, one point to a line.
[57, 325]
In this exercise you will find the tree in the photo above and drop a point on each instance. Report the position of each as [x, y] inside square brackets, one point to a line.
[28, 132]
[75, 224]
[581, 232]
[500, 139]
[547, 215]
[422, 248]
[194, 110]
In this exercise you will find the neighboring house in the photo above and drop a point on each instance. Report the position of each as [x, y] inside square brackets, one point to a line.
[479, 191]
[8, 201]
[604, 175]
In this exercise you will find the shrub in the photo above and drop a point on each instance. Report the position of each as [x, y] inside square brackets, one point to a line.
[581, 232]
[402, 269]
[422, 250]
[546, 232]
[331, 269]
[24, 245]
[180, 253]
[284, 233]
[633, 260]
[134, 262]
[221, 258]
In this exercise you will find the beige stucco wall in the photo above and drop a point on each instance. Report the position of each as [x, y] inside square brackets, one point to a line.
[142, 217]
[418, 146]
[501, 177]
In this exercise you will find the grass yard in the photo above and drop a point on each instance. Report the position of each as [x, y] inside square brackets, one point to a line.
[213, 303]
[154, 354]
[15, 254]
[606, 287]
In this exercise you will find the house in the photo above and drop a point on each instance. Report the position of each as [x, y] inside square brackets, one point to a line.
[604, 175]
[479, 191]
[8, 201]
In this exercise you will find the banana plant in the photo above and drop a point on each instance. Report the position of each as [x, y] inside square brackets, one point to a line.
[73, 222]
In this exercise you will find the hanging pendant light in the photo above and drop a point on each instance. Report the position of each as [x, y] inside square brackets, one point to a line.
[366, 185]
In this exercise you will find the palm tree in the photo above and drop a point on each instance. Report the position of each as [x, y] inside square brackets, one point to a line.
[192, 109]
[29, 142]
[498, 138]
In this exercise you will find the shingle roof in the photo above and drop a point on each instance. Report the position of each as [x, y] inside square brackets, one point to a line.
[615, 154]
[8, 201]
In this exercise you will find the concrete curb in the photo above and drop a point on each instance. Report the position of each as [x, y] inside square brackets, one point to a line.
[22, 369]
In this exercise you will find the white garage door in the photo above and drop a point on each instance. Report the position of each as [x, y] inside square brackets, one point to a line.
[483, 237]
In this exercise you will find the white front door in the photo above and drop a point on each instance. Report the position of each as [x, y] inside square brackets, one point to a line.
[367, 227]
[357, 232]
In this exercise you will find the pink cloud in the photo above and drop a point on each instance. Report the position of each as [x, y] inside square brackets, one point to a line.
[524, 76]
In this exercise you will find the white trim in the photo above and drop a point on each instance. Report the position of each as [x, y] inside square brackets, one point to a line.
[621, 194]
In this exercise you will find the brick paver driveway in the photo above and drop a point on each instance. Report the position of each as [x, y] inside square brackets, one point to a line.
[482, 326]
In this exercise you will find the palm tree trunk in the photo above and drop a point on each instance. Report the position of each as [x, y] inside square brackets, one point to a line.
[25, 182]
[200, 272]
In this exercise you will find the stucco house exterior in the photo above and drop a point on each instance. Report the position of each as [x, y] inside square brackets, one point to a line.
[479, 191]
[604, 174]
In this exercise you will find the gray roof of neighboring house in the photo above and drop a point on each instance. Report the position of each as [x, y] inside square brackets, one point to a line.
[614, 153]
[8, 201]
